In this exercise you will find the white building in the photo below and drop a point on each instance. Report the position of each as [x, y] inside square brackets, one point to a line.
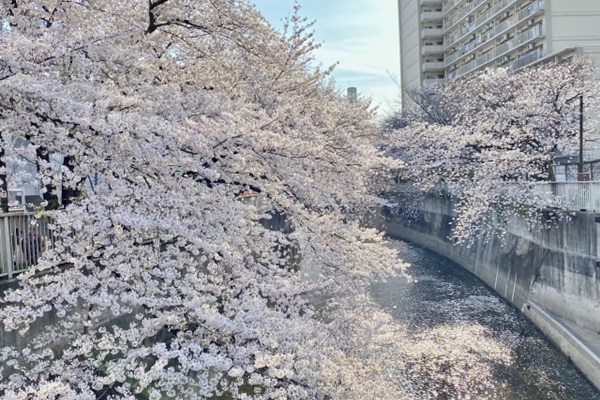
[443, 39]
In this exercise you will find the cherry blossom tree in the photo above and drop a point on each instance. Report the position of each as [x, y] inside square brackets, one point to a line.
[164, 282]
[498, 135]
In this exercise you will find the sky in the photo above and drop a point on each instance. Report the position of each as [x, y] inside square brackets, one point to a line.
[362, 35]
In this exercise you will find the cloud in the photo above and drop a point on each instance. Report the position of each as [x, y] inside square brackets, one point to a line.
[360, 35]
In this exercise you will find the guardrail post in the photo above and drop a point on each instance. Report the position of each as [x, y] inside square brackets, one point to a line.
[6, 239]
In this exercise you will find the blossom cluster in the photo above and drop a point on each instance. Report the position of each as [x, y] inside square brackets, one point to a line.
[490, 138]
[163, 281]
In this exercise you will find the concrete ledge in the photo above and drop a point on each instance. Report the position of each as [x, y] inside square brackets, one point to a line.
[582, 354]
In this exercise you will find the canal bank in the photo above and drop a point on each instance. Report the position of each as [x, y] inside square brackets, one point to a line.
[552, 276]
[464, 342]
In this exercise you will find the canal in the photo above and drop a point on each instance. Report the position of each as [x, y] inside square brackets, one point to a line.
[464, 342]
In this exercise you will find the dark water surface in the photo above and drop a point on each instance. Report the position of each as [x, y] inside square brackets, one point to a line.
[468, 342]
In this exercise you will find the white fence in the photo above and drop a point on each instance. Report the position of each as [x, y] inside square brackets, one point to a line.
[577, 195]
[23, 239]
[574, 195]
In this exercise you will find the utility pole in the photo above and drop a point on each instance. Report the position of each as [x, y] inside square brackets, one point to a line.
[580, 175]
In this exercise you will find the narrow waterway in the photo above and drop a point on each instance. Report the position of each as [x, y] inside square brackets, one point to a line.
[469, 343]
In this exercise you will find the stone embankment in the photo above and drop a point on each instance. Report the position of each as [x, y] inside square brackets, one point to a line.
[551, 275]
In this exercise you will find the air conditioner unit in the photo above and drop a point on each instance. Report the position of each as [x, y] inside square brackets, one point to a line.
[505, 15]
[530, 46]
[505, 59]
[472, 37]
[530, 22]
[488, 6]
[470, 18]
[504, 38]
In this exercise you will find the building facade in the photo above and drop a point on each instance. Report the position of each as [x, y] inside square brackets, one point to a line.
[444, 39]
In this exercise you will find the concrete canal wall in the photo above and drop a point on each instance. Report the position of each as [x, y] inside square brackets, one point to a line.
[551, 275]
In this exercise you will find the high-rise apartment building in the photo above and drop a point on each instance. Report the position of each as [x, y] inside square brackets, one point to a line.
[443, 39]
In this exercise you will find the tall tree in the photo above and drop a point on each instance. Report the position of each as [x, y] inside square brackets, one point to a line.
[178, 107]
[499, 134]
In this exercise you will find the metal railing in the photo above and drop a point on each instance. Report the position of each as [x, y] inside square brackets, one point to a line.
[450, 22]
[577, 195]
[573, 196]
[449, 6]
[537, 31]
[492, 32]
[23, 240]
[477, 22]
[527, 58]
[568, 171]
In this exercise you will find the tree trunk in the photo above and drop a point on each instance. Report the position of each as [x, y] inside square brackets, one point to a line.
[69, 194]
[50, 196]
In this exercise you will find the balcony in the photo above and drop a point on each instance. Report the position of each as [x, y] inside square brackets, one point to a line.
[449, 6]
[430, 2]
[527, 37]
[452, 57]
[450, 22]
[479, 21]
[432, 49]
[432, 81]
[526, 59]
[431, 16]
[532, 10]
[432, 33]
[433, 66]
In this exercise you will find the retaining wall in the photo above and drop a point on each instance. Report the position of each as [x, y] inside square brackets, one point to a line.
[552, 275]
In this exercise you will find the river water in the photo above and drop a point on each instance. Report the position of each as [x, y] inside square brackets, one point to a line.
[467, 343]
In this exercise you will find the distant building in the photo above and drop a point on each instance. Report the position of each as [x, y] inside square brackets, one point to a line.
[352, 94]
[444, 39]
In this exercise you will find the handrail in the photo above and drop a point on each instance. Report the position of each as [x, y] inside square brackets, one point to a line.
[23, 239]
[572, 196]
[577, 195]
